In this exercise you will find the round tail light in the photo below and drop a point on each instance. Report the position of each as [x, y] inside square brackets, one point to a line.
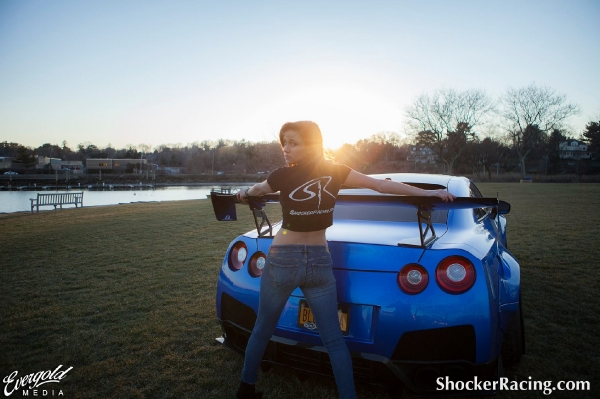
[455, 274]
[238, 255]
[257, 264]
[413, 278]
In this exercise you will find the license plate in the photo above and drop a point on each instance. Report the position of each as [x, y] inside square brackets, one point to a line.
[307, 320]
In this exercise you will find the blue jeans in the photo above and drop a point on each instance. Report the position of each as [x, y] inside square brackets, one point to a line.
[310, 268]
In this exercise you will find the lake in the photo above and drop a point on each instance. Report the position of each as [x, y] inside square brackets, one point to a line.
[18, 201]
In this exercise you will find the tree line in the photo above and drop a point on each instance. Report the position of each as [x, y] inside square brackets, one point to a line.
[446, 131]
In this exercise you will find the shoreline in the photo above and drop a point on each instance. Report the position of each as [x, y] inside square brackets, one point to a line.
[125, 194]
[2, 214]
[107, 186]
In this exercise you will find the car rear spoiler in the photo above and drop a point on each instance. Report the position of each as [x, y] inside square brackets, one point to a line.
[224, 208]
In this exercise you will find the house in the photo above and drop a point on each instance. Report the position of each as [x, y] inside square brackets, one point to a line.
[47, 162]
[6, 162]
[76, 167]
[117, 165]
[422, 155]
[573, 149]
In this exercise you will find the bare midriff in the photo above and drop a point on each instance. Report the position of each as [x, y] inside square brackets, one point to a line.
[289, 237]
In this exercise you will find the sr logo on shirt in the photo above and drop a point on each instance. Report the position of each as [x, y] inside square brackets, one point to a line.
[311, 189]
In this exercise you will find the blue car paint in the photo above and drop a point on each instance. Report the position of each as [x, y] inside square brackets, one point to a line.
[366, 273]
[509, 285]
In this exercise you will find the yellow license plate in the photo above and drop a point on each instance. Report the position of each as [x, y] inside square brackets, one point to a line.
[307, 320]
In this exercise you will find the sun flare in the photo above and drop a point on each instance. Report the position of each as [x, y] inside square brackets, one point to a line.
[346, 113]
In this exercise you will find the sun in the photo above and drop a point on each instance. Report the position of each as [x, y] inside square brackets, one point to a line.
[345, 112]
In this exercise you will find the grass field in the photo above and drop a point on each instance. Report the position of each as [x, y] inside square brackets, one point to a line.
[126, 296]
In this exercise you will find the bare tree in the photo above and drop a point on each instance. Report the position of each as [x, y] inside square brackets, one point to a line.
[145, 148]
[531, 111]
[270, 155]
[445, 120]
[491, 151]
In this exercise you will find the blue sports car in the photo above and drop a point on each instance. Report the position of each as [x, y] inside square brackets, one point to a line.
[427, 290]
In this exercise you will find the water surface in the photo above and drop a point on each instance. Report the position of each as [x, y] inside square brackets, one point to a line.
[18, 201]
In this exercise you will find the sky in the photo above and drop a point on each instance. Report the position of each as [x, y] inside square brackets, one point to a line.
[128, 72]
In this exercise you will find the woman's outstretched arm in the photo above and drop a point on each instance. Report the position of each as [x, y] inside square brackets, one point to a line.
[256, 190]
[356, 179]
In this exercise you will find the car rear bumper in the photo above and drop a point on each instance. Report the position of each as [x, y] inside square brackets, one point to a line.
[418, 373]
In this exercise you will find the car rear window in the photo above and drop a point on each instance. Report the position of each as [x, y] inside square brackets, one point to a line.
[384, 213]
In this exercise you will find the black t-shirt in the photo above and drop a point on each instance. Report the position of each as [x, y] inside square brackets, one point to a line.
[307, 193]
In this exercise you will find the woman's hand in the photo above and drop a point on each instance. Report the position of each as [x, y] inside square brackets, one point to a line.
[242, 195]
[443, 194]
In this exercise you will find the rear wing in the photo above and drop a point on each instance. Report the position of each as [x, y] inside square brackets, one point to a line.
[224, 206]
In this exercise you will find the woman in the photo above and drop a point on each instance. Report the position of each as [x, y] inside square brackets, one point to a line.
[298, 256]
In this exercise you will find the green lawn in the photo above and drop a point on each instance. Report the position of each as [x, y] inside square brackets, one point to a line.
[126, 296]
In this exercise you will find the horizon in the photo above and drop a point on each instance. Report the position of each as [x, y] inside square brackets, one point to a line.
[404, 141]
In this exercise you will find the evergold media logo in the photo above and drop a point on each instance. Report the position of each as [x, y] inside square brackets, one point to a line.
[31, 382]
